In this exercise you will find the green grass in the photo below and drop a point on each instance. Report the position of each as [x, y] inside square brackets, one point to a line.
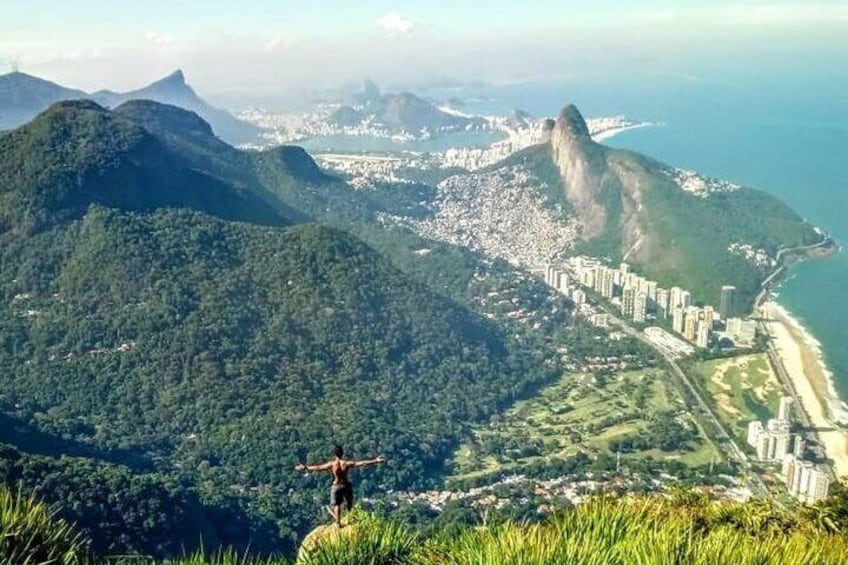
[578, 413]
[682, 527]
[740, 389]
[30, 534]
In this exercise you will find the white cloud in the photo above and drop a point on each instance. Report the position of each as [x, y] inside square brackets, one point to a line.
[395, 25]
[277, 42]
[160, 39]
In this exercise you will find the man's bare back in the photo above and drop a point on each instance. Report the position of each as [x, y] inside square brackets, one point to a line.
[339, 469]
[341, 490]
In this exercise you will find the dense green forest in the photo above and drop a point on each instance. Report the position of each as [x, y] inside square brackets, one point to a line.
[163, 367]
[181, 322]
[199, 347]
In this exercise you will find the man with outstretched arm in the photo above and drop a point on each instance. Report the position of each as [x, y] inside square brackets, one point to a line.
[342, 489]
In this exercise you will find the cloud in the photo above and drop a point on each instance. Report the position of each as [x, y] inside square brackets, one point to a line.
[160, 39]
[276, 43]
[395, 25]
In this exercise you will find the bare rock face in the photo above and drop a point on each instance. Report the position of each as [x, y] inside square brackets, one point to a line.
[604, 191]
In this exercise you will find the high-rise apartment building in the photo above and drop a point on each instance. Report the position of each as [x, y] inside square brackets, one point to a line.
[702, 339]
[628, 301]
[640, 307]
[677, 319]
[726, 302]
[662, 309]
[784, 408]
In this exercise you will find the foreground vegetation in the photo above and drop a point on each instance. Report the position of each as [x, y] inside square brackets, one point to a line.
[684, 528]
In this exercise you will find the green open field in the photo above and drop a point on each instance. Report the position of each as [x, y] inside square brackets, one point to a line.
[587, 413]
[741, 389]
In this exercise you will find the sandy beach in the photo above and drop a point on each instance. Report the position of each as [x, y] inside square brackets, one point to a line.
[809, 378]
[612, 132]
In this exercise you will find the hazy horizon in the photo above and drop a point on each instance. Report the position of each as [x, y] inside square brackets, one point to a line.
[248, 52]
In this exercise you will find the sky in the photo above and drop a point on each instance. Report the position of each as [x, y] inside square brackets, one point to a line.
[238, 50]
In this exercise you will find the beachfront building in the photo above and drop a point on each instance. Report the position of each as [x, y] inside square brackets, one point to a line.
[741, 331]
[784, 408]
[773, 442]
[805, 481]
[755, 429]
[800, 446]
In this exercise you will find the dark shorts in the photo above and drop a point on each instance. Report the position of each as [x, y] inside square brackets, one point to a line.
[341, 494]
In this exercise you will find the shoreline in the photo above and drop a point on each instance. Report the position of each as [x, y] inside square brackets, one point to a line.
[811, 380]
[612, 132]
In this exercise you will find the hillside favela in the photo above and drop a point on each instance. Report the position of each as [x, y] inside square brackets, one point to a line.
[317, 283]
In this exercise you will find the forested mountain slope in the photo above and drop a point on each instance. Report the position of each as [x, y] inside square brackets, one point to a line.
[153, 349]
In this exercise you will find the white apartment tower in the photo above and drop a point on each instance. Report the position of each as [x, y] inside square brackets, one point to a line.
[677, 319]
[662, 303]
[702, 340]
[784, 410]
[640, 307]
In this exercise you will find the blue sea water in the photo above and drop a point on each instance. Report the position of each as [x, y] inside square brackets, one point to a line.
[783, 132]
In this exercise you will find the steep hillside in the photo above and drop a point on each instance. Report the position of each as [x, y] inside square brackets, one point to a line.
[77, 153]
[164, 350]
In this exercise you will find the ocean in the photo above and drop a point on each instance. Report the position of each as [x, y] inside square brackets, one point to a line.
[784, 132]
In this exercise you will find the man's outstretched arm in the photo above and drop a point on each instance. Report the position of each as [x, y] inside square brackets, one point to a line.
[379, 460]
[311, 468]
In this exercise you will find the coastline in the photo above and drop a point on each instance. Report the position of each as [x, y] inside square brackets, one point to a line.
[801, 355]
[612, 132]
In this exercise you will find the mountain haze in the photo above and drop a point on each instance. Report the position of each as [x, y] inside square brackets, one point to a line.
[399, 113]
[22, 97]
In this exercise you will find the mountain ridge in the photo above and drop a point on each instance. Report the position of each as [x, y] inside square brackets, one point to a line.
[77, 153]
[18, 105]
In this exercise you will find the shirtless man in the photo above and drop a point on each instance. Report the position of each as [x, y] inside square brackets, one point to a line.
[342, 489]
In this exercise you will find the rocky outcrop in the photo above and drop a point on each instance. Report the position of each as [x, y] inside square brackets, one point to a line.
[603, 189]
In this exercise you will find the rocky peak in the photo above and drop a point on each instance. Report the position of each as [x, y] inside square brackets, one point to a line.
[571, 123]
[176, 78]
[605, 195]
